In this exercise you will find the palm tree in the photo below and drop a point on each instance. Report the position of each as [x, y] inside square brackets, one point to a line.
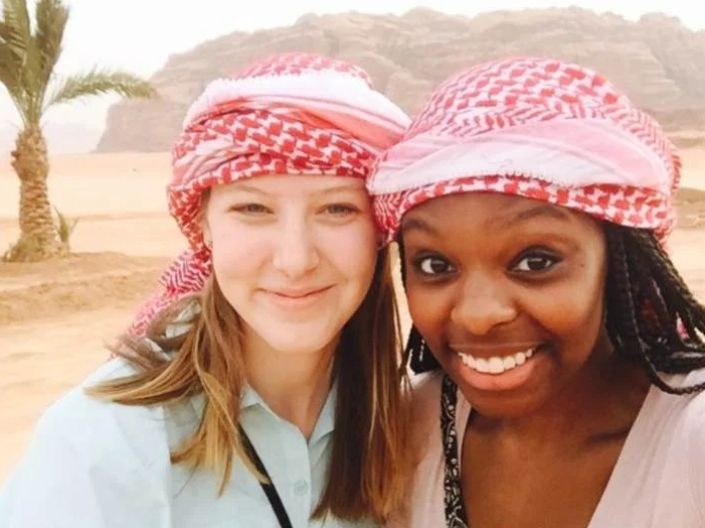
[29, 51]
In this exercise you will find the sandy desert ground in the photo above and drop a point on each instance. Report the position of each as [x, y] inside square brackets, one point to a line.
[55, 317]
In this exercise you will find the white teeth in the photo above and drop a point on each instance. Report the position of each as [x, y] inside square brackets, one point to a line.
[509, 362]
[496, 365]
[482, 365]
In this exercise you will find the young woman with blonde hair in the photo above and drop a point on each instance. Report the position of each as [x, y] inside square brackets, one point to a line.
[262, 386]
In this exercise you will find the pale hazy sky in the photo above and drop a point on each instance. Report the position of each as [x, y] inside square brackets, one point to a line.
[139, 35]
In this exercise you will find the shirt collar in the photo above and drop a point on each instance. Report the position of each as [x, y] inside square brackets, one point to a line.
[326, 420]
[250, 398]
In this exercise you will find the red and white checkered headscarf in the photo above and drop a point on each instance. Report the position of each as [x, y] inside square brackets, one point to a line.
[293, 113]
[537, 128]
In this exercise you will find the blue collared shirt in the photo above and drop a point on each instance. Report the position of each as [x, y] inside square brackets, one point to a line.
[93, 464]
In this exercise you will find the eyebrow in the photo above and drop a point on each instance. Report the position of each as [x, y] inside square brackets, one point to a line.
[416, 224]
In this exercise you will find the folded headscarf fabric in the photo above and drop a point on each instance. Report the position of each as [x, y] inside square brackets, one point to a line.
[293, 113]
[537, 128]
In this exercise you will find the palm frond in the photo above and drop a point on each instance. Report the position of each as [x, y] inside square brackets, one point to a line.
[16, 41]
[10, 77]
[10, 68]
[15, 27]
[51, 17]
[43, 53]
[19, 12]
[17, 98]
[97, 82]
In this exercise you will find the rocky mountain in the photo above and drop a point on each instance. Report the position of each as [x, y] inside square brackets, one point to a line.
[657, 61]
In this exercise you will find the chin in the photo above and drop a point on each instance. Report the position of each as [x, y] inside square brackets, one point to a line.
[502, 406]
[299, 340]
[506, 404]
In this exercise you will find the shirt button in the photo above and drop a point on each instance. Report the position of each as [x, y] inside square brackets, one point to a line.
[301, 487]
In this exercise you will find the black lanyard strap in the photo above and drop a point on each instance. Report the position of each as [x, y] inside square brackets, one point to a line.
[268, 487]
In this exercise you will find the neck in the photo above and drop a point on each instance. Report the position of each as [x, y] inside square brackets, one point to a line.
[294, 386]
[600, 403]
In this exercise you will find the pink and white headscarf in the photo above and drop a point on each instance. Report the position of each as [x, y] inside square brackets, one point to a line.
[537, 128]
[293, 113]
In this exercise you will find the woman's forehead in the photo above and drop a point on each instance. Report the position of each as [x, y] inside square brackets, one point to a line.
[489, 208]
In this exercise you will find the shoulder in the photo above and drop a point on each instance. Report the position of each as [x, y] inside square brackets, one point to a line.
[677, 423]
[692, 427]
[426, 485]
[425, 401]
[691, 416]
[686, 410]
[76, 410]
[104, 434]
[93, 463]
[426, 394]
[675, 417]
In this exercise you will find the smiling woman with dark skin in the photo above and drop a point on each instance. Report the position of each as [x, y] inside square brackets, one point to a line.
[563, 353]
[530, 283]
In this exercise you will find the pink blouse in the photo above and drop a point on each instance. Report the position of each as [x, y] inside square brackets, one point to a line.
[658, 482]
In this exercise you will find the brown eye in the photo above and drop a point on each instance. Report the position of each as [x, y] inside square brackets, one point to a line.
[535, 263]
[433, 266]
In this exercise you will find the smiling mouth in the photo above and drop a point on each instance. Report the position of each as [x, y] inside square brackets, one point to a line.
[497, 365]
[299, 295]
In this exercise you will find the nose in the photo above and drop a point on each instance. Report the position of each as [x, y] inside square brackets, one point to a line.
[483, 303]
[295, 254]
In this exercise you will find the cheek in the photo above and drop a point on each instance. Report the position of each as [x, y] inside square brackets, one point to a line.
[351, 249]
[573, 310]
[237, 251]
[429, 308]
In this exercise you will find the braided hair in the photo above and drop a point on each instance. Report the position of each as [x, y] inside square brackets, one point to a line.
[652, 316]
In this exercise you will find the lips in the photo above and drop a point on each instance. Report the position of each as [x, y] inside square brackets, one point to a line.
[296, 298]
[298, 293]
[497, 369]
